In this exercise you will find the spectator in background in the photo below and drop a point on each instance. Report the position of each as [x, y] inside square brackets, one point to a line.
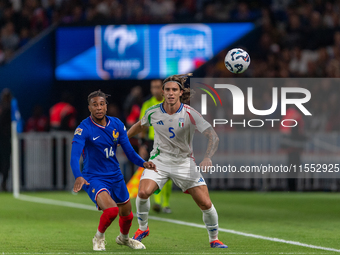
[9, 39]
[24, 36]
[2, 55]
[39, 21]
[132, 106]
[161, 10]
[242, 13]
[63, 114]
[38, 122]
[293, 141]
[5, 136]
[113, 111]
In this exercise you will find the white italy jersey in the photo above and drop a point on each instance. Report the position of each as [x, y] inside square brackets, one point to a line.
[174, 133]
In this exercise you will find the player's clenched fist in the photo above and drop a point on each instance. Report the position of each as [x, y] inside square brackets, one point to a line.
[205, 164]
[80, 181]
[150, 165]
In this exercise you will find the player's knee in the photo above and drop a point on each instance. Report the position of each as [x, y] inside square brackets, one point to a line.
[144, 194]
[129, 217]
[111, 212]
[205, 204]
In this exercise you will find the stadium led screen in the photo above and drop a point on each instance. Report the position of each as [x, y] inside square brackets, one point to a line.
[140, 51]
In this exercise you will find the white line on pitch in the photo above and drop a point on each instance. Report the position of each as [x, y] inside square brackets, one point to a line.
[88, 207]
[245, 234]
[136, 252]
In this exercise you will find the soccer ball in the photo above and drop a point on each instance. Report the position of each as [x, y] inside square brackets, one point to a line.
[237, 60]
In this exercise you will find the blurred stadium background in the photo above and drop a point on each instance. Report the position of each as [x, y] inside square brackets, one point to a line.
[54, 51]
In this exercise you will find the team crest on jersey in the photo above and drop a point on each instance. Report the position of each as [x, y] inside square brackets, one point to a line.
[93, 190]
[181, 122]
[115, 135]
[78, 131]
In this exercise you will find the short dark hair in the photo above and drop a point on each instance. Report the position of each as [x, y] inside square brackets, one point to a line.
[97, 93]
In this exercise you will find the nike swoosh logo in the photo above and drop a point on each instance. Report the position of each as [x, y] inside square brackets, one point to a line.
[95, 138]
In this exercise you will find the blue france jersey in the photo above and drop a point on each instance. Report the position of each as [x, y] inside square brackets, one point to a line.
[99, 147]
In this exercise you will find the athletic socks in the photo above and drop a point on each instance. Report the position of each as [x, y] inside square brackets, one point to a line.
[106, 219]
[210, 219]
[143, 207]
[100, 235]
[125, 224]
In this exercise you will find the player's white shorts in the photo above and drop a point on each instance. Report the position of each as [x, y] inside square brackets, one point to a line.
[181, 171]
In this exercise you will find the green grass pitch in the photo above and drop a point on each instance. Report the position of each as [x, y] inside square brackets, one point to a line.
[310, 218]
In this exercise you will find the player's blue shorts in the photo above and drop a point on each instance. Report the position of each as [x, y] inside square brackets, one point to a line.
[117, 190]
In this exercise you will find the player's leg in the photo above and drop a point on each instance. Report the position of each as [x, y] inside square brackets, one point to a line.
[200, 194]
[193, 182]
[99, 192]
[158, 200]
[125, 221]
[150, 182]
[146, 188]
[167, 189]
[110, 212]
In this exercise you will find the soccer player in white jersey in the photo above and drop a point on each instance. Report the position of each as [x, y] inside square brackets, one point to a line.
[174, 123]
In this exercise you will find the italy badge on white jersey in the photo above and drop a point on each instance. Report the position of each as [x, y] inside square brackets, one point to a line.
[174, 133]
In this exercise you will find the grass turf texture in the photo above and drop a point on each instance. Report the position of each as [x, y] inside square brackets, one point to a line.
[312, 218]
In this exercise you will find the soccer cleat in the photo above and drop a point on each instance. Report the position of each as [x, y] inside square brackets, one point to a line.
[217, 244]
[98, 244]
[156, 208]
[133, 244]
[167, 210]
[140, 234]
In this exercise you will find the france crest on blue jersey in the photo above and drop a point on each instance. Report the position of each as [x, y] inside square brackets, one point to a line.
[100, 144]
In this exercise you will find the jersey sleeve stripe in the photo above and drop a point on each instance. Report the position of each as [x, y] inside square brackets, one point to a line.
[191, 119]
[192, 109]
[152, 107]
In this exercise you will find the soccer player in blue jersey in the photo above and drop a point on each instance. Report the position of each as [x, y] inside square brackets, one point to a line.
[96, 139]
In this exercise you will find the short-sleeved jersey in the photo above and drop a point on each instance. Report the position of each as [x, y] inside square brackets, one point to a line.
[147, 104]
[174, 133]
[100, 144]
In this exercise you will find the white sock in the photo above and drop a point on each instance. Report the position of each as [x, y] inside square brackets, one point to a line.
[210, 219]
[124, 236]
[100, 234]
[143, 207]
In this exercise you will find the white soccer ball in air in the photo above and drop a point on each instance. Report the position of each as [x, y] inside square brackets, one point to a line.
[237, 60]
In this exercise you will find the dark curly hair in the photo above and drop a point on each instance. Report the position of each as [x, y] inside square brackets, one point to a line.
[97, 93]
[181, 79]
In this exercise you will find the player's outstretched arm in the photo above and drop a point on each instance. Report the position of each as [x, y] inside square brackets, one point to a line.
[129, 151]
[76, 151]
[135, 129]
[213, 141]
